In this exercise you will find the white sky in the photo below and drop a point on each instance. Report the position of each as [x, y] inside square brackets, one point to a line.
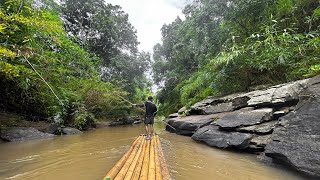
[148, 16]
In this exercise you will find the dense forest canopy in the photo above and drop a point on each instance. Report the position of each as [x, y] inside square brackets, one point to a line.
[226, 46]
[69, 62]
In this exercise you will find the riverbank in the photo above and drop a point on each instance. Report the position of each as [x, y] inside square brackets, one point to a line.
[280, 122]
[15, 127]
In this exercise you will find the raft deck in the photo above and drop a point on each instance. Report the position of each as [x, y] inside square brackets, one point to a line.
[144, 160]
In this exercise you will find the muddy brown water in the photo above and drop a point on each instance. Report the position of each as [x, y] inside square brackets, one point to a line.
[89, 156]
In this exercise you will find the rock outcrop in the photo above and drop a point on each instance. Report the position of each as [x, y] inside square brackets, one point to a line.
[296, 141]
[23, 133]
[282, 121]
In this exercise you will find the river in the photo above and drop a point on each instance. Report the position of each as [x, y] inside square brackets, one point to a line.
[89, 156]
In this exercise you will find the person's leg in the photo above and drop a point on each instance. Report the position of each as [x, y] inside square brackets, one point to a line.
[151, 131]
[147, 132]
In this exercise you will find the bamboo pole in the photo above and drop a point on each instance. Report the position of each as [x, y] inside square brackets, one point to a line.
[135, 161]
[138, 167]
[145, 165]
[114, 171]
[152, 167]
[164, 169]
[142, 109]
[125, 167]
[156, 159]
[61, 103]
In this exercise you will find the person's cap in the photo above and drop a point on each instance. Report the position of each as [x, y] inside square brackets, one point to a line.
[150, 98]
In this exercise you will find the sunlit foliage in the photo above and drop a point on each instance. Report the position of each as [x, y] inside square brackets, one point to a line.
[33, 40]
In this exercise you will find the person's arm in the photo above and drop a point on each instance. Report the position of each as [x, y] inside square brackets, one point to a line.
[156, 111]
[139, 105]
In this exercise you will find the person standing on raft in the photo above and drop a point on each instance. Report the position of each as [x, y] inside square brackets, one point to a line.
[151, 111]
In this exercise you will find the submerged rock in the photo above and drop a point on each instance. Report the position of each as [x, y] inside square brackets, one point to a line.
[23, 133]
[296, 142]
[215, 137]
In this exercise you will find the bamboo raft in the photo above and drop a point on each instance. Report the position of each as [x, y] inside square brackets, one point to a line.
[144, 160]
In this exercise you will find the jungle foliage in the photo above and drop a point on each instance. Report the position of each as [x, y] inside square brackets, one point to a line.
[38, 40]
[234, 45]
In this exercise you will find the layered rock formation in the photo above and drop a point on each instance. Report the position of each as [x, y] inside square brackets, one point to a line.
[282, 121]
[296, 141]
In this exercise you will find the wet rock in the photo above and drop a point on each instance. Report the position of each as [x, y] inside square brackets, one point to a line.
[71, 131]
[23, 133]
[241, 118]
[264, 128]
[174, 115]
[215, 137]
[296, 142]
[189, 124]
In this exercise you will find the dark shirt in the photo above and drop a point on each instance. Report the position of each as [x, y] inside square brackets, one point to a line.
[151, 108]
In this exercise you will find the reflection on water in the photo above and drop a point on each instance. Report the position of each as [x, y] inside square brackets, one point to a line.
[89, 156]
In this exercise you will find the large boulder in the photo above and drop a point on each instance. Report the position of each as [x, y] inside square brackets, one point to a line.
[71, 131]
[23, 133]
[296, 142]
[245, 117]
[189, 124]
[215, 137]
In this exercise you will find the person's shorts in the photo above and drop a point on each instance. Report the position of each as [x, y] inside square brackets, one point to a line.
[149, 120]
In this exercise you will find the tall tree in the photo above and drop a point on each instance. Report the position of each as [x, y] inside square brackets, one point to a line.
[105, 30]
